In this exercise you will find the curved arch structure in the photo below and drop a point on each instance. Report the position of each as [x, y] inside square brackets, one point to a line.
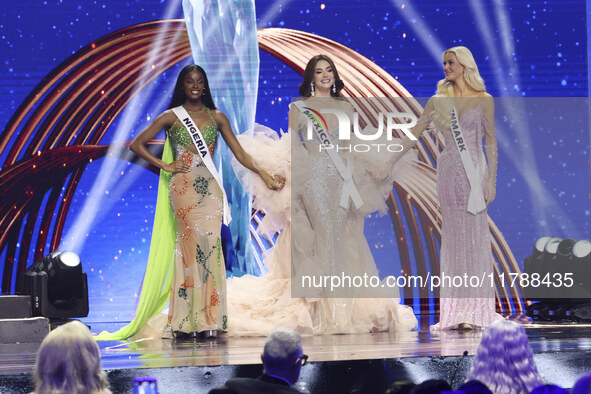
[57, 129]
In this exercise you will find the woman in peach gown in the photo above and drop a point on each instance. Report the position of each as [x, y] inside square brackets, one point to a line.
[186, 259]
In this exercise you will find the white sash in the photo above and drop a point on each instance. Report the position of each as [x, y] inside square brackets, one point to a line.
[203, 150]
[476, 201]
[349, 188]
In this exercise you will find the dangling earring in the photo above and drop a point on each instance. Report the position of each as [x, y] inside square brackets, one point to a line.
[312, 89]
[334, 86]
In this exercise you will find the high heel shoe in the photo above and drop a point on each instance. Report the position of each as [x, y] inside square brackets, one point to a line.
[181, 335]
[208, 335]
[466, 327]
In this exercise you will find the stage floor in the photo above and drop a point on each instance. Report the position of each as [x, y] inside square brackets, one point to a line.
[562, 353]
[156, 353]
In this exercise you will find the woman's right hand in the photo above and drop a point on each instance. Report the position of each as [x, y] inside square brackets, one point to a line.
[490, 192]
[275, 182]
[177, 166]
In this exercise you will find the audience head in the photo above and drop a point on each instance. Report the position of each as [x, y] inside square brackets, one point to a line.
[504, 360]
[432, 386]
[401, 387]
[69, 362]
[549, 389]
[282, 355]
[583, 384]
[473, 387]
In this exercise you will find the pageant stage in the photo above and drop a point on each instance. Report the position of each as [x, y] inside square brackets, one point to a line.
[359, 363]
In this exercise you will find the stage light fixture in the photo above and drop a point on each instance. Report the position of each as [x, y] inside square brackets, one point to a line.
[581, 267]
[539, 247]
[564, 311]
[549, 264]
[541, 261]
[564, 249]
[538, 311]
[533, 263]
[564, 291]
[582, 251]
[58, 286]
[582, 312]
[561, 263]
[551, 247]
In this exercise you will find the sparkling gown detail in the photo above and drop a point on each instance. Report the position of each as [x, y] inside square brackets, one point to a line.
[198, 294]
[465, 237]
[330, 239]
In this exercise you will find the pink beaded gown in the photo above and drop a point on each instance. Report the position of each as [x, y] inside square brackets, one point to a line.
[465, 237]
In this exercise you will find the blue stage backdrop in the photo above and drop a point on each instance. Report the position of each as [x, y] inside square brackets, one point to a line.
[524, 49]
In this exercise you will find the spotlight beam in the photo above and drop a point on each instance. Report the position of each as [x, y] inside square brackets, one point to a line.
[272, 12]
[422, 30]
[521, 154]
[105, 180]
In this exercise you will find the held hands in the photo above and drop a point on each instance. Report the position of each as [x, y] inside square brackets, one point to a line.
[275, 182]
[380, 176]
[177, 166]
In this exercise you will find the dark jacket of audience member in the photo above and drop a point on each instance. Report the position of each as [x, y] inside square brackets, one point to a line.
[69, 361]
[262, 385]
[583, 384]
[401, 387]
[473, 387]
[432, 386]
[549, 389]
[282, 362]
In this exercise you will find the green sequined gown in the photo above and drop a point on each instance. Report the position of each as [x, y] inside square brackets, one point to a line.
[198, 294]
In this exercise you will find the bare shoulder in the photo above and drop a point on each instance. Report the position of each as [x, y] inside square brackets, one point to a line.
[430, 103]
[345, 106]
[437, 98]
[219, 116]
[486, 101]
[166, 118]
[484, 97]
[168, 114]
[344, 102]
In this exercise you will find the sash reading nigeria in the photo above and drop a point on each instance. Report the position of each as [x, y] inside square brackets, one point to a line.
[403, 121]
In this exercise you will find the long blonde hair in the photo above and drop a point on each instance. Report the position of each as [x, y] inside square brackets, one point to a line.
[69, 361]
[471, 73]
[445, 88]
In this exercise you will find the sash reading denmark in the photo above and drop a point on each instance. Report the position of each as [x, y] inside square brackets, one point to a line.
[476, 201]
[201, 146]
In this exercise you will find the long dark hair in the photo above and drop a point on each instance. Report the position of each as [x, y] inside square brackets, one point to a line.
[179, 96]
[309, 77]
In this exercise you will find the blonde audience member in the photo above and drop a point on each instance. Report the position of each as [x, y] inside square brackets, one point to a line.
[69, 361]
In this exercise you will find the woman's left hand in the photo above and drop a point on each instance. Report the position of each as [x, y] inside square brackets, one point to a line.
[490, 192]
[275, 182]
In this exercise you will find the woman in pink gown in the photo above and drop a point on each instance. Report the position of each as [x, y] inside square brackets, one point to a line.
[465, 237]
